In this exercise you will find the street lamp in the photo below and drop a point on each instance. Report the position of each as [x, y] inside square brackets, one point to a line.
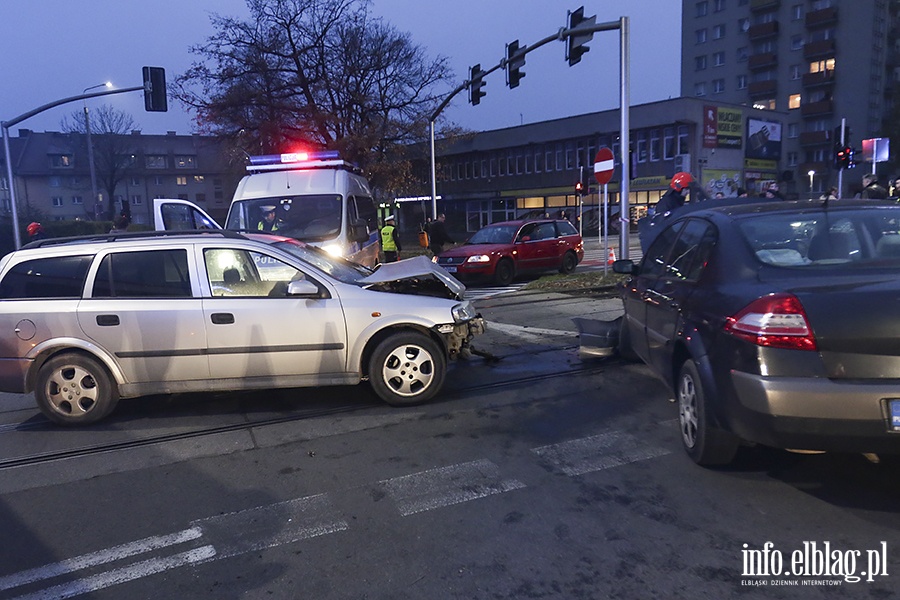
[87, 129]
[811, 174]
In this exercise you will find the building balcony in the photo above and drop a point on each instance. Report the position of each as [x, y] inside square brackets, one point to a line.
[763, 30]
[762, 61]
[825, 77]
[820, 49]
[815, 138]
[822, 107]
[825, 16]
[756, 5]
[763, 89]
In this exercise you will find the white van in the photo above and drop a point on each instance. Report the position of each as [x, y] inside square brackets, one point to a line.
[316, 198]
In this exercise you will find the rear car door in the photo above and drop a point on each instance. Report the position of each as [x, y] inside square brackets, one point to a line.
[254, 329]
[142, 309]
[667, 299]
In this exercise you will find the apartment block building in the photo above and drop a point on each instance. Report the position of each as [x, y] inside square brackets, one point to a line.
[818, 61]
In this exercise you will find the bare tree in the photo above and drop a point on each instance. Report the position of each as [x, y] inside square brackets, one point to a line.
[113, 148]
[317, 72]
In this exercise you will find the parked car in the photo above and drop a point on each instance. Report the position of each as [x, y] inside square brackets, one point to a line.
[87, 321]
[773, 323]
[502, 251]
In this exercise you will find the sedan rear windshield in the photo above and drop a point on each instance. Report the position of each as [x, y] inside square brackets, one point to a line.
[867, 237]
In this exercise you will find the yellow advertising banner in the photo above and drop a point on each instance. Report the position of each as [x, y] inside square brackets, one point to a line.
[730, 127]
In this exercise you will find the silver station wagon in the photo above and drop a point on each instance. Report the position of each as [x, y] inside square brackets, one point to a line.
[87, 321]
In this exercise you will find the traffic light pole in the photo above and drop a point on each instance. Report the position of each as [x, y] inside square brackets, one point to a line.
[584, 29]
[12, 122]
[841, 171]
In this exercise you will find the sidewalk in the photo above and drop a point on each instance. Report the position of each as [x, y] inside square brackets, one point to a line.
[595, 250]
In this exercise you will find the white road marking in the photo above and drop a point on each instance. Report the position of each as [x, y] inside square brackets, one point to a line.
[531, 334]
[271, 525]
[446, 486]
[98, 558]
[107, 579]
[597, 452]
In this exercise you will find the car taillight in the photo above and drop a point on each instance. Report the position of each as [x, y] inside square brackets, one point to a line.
[777, 321]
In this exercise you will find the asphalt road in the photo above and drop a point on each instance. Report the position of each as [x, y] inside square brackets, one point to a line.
[535, 474]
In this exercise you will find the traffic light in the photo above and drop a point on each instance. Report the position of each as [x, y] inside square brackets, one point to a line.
[155, 89]
[476, 82]
[575, 43]
[579, 188]
[515, 60]
[843, 157]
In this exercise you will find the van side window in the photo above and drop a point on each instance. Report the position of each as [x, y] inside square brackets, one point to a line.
[149, 274]
[61, 277]
[365, 209]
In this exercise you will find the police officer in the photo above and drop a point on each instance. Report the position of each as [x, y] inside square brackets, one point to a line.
[390, 242]
[268, 223]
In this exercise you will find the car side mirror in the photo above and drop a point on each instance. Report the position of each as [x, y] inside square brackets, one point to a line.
[624, 266]
[303, 288]
[359, 231]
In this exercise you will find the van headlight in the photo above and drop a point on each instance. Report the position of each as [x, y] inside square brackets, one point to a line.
[463, 312]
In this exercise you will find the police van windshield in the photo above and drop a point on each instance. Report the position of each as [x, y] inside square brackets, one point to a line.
[311, 218]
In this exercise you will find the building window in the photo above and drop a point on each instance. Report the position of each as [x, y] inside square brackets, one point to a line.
[718, 5]
[795, 72]
[155, 161]
[792, 159]
[198, 179]
[818, 66]
[77, 200]
[797, 42]
[700, 36]
[684, 146]
[743, 25]
[797, 12]
[767, 104]
[200, 197]
[742, 54]
[181, 180]
[642, 147]
[700, 89]
[56, 201]
[718, 86]
[136, 200]
[702, 9]
[742, 82]
[718, 32]
[654, 145]
[185, 162]
[719, 59]
[157, 180]
[61, 161]
[53, 182]
[793, 130]
[135, 181]
[700, 63]
[668, 143]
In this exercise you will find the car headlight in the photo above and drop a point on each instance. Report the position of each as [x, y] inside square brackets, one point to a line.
[463, 312]
[479, 258]
[334, 249]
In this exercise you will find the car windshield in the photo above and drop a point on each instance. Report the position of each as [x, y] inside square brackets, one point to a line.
[495, 234]
[310, 218]
[859, 238]
[341, 269]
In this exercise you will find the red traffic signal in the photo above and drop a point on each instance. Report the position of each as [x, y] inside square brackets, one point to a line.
[579, 187]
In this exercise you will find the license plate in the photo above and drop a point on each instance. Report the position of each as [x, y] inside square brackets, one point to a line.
[450, 269]
[895, 415]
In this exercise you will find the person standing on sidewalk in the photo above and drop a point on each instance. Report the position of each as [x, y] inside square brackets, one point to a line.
[390, 243]
[438, 236]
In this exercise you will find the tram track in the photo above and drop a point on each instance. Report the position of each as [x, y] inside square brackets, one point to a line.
[202, 432]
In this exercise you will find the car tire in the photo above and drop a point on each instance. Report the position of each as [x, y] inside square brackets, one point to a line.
[75, 389]
[569, 262]
[704, 443]
[407, 369]
[505, 272]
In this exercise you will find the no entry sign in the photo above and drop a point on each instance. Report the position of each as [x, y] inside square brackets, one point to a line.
[604, 165]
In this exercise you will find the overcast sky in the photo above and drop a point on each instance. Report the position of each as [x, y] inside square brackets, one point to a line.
[53, 49]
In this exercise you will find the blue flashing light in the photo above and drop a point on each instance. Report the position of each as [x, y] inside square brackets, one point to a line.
[293, 157]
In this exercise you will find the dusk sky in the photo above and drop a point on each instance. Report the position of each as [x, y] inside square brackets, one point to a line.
[53, 49]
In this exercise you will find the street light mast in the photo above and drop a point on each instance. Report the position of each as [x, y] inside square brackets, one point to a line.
[90, 145]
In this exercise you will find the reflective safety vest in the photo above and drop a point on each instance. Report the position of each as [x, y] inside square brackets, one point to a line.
[387, 239]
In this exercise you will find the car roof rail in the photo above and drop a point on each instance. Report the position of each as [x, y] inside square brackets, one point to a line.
[132, 235]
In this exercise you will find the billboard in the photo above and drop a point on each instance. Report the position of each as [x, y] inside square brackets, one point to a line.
[722, 127]
[763, 139]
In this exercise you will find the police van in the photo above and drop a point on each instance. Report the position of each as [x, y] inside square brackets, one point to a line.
[313, 197]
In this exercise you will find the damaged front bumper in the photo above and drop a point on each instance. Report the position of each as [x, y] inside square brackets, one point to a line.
[459, 336]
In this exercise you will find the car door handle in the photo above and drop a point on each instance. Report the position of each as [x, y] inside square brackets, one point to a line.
[222, 318]
[107, 320]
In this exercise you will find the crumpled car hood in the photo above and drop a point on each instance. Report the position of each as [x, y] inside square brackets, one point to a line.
[419, 267]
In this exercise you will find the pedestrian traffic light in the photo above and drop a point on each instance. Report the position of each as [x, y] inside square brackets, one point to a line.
[515, 60]
[579, 188]
[155, 89]
[476, 82]
[575, 43]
